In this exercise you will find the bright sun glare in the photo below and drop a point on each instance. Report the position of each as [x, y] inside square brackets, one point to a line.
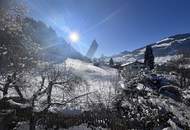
[74, 37]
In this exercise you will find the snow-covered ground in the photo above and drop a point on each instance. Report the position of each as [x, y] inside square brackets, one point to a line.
[101, 80]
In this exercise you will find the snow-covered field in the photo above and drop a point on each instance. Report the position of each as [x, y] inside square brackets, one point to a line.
[101, 80]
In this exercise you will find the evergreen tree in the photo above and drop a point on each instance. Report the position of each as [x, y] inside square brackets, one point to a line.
[149, 58]
[111, 63]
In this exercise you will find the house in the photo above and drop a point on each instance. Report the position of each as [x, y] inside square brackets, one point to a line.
[117, 65]
[133, 67]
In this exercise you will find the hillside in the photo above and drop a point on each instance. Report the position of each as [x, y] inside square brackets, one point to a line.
[53, 48]
[101, 80]
[35, 41]
[164, 50]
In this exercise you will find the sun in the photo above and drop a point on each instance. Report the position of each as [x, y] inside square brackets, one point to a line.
[74, 37]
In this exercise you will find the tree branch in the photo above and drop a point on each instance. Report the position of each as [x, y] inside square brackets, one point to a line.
[72, 99]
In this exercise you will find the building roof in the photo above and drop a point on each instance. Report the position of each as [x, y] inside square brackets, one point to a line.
[129, 63]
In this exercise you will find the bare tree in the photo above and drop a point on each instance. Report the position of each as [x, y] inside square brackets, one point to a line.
[181, 68]
[53, 77]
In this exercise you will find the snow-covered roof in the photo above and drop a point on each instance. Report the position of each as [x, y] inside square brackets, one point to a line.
[132, 62]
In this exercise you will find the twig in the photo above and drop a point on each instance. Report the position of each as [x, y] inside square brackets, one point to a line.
[72, 99]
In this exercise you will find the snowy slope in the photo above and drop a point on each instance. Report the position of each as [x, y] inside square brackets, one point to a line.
[164, 50]
[101, 81]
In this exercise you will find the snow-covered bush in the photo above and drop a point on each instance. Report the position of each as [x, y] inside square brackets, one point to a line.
[150, 100]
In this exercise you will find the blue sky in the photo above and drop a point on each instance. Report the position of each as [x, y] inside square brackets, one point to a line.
[117, 25]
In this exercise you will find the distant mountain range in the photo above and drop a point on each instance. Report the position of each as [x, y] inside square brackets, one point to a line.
[164, 50]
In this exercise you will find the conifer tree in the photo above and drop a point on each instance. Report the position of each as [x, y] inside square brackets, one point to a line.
[111, 63]
[149, 58]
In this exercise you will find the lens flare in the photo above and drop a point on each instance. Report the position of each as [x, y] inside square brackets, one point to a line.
[74, 37]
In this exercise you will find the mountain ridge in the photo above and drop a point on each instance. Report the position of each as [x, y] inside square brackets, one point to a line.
[52, 47]
[164, 50]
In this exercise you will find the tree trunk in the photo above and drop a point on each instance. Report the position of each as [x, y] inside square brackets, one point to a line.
[49, 93]
[32, 122]
[6, 121]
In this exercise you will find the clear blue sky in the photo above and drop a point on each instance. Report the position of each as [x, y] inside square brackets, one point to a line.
[117, 25]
